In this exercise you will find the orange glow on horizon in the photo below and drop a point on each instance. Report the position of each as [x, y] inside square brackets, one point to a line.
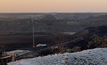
[53, 5]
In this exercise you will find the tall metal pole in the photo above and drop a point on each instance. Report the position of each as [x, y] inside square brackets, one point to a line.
[33, 34]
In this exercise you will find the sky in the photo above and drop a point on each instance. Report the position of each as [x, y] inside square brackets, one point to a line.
[15, 6]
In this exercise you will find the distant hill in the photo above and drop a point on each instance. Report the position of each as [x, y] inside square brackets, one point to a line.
[48, 17]
[99, 30]
[98, 17]
[50, 22]
[86, 37]
[56, 15]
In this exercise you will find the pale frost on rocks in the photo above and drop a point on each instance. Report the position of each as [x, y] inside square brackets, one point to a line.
[87, 57]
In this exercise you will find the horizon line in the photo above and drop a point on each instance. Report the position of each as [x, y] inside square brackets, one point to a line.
[53, 12]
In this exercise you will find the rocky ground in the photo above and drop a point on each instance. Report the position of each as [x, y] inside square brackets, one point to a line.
[95, 56]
